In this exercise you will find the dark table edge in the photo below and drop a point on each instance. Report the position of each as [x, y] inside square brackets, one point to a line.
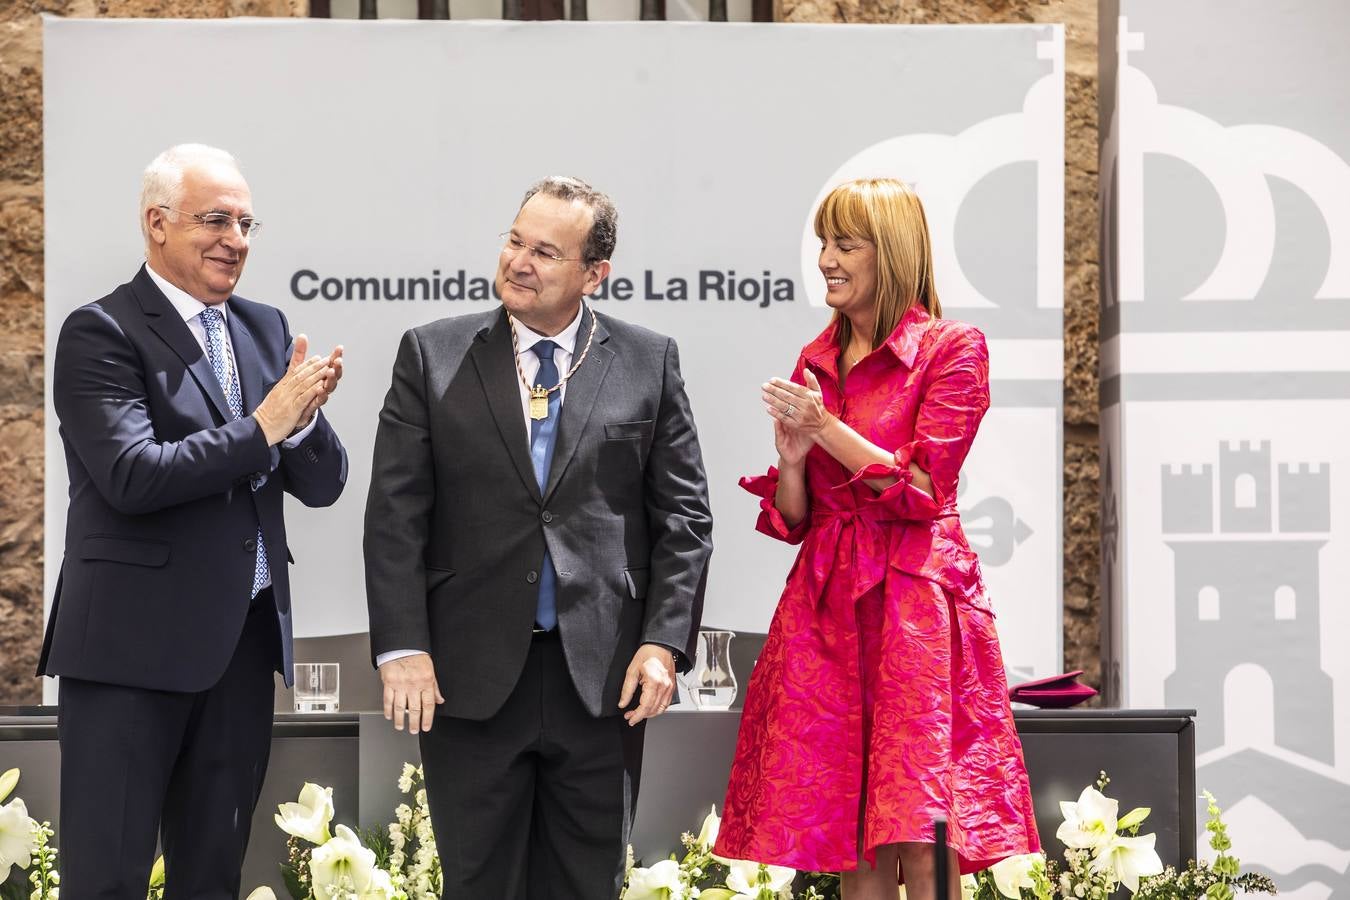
[38, 723]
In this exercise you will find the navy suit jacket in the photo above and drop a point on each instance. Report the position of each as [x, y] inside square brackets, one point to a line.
[159, 547]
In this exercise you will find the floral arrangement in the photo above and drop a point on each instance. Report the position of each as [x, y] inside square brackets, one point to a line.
[1104, 851]
[321, 865]
[702, 875]
[25, 843]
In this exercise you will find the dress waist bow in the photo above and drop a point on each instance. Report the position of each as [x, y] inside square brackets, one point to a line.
[846, 552]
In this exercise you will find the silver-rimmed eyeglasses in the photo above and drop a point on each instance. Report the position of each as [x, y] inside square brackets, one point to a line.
[220, 223]
[513, 245]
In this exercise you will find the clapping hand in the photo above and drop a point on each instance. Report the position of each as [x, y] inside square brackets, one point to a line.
[330, 384]
[798, 413]
[291, 397]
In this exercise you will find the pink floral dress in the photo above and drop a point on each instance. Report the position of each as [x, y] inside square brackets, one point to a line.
[881, 684]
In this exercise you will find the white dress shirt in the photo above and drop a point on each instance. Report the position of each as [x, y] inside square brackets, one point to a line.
[529, 367]
[190, 308]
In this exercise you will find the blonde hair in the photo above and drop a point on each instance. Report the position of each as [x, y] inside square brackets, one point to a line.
[886, 212]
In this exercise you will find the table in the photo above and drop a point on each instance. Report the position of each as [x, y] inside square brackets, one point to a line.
[1149, 754]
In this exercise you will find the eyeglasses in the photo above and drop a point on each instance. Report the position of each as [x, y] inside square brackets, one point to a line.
[513, 245]
[221, 224]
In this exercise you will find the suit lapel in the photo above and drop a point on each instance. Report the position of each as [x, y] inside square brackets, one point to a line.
[494, 358]
[247, 362]
[165, 321]
[579, 400]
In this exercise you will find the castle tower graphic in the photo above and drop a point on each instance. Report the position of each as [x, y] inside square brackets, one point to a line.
[1247, 591]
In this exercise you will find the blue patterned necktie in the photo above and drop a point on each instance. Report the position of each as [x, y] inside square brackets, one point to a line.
[543, 436]
[214, 325]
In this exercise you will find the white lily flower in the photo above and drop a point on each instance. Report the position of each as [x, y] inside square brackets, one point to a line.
[1089, 824]
[712, 824]
[308, 818]
[1130, 858]
[743, 877]
[659, 882]
[381, 887]
[1013, 874]
[968, 887]
[262, 893]
[16, 837]
[341, 867]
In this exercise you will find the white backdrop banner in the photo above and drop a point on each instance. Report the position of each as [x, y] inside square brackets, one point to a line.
[385, 157]
[1226, 420]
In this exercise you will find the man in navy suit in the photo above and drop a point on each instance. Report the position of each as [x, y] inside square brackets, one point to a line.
[186, 412]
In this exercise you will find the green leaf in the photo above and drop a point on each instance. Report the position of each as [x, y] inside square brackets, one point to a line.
[716, 894]
[16, 886]
[7, 782]
[1133, 817]
[293, 885]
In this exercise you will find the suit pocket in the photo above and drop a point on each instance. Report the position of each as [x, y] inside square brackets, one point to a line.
[637, 582]
[630, 431]
[133, 551]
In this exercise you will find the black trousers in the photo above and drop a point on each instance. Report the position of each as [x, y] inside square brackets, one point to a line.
[537, 802]
[186, 767]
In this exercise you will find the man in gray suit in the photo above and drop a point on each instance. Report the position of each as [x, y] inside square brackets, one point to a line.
[537, 541]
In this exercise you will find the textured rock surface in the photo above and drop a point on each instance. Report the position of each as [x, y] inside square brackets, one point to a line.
[21, 325]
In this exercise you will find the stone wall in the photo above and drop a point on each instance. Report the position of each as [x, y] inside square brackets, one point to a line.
[21, 322]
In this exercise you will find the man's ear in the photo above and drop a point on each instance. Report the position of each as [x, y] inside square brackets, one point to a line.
[599, 272]
[154, 225]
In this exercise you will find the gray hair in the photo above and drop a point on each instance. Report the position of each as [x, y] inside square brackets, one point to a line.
[605, 218]
[162, 181]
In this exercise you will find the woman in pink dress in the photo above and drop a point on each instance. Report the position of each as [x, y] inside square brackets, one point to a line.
[879, 701]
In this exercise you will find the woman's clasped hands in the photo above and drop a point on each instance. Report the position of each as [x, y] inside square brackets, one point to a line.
[799, 415]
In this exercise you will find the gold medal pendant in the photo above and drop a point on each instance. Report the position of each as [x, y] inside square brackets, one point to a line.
[538, 402]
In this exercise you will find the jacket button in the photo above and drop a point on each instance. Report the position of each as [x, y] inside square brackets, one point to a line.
[532, 577]
[251, 545]
[546, 516]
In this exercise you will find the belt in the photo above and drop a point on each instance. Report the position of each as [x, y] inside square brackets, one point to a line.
[544, 634]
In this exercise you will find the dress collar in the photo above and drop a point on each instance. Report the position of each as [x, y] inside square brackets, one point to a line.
[903, 342]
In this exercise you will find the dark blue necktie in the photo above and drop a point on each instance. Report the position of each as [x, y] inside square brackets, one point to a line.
[543, 435]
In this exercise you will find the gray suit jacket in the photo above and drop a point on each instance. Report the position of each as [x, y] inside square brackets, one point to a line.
[456, 525]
